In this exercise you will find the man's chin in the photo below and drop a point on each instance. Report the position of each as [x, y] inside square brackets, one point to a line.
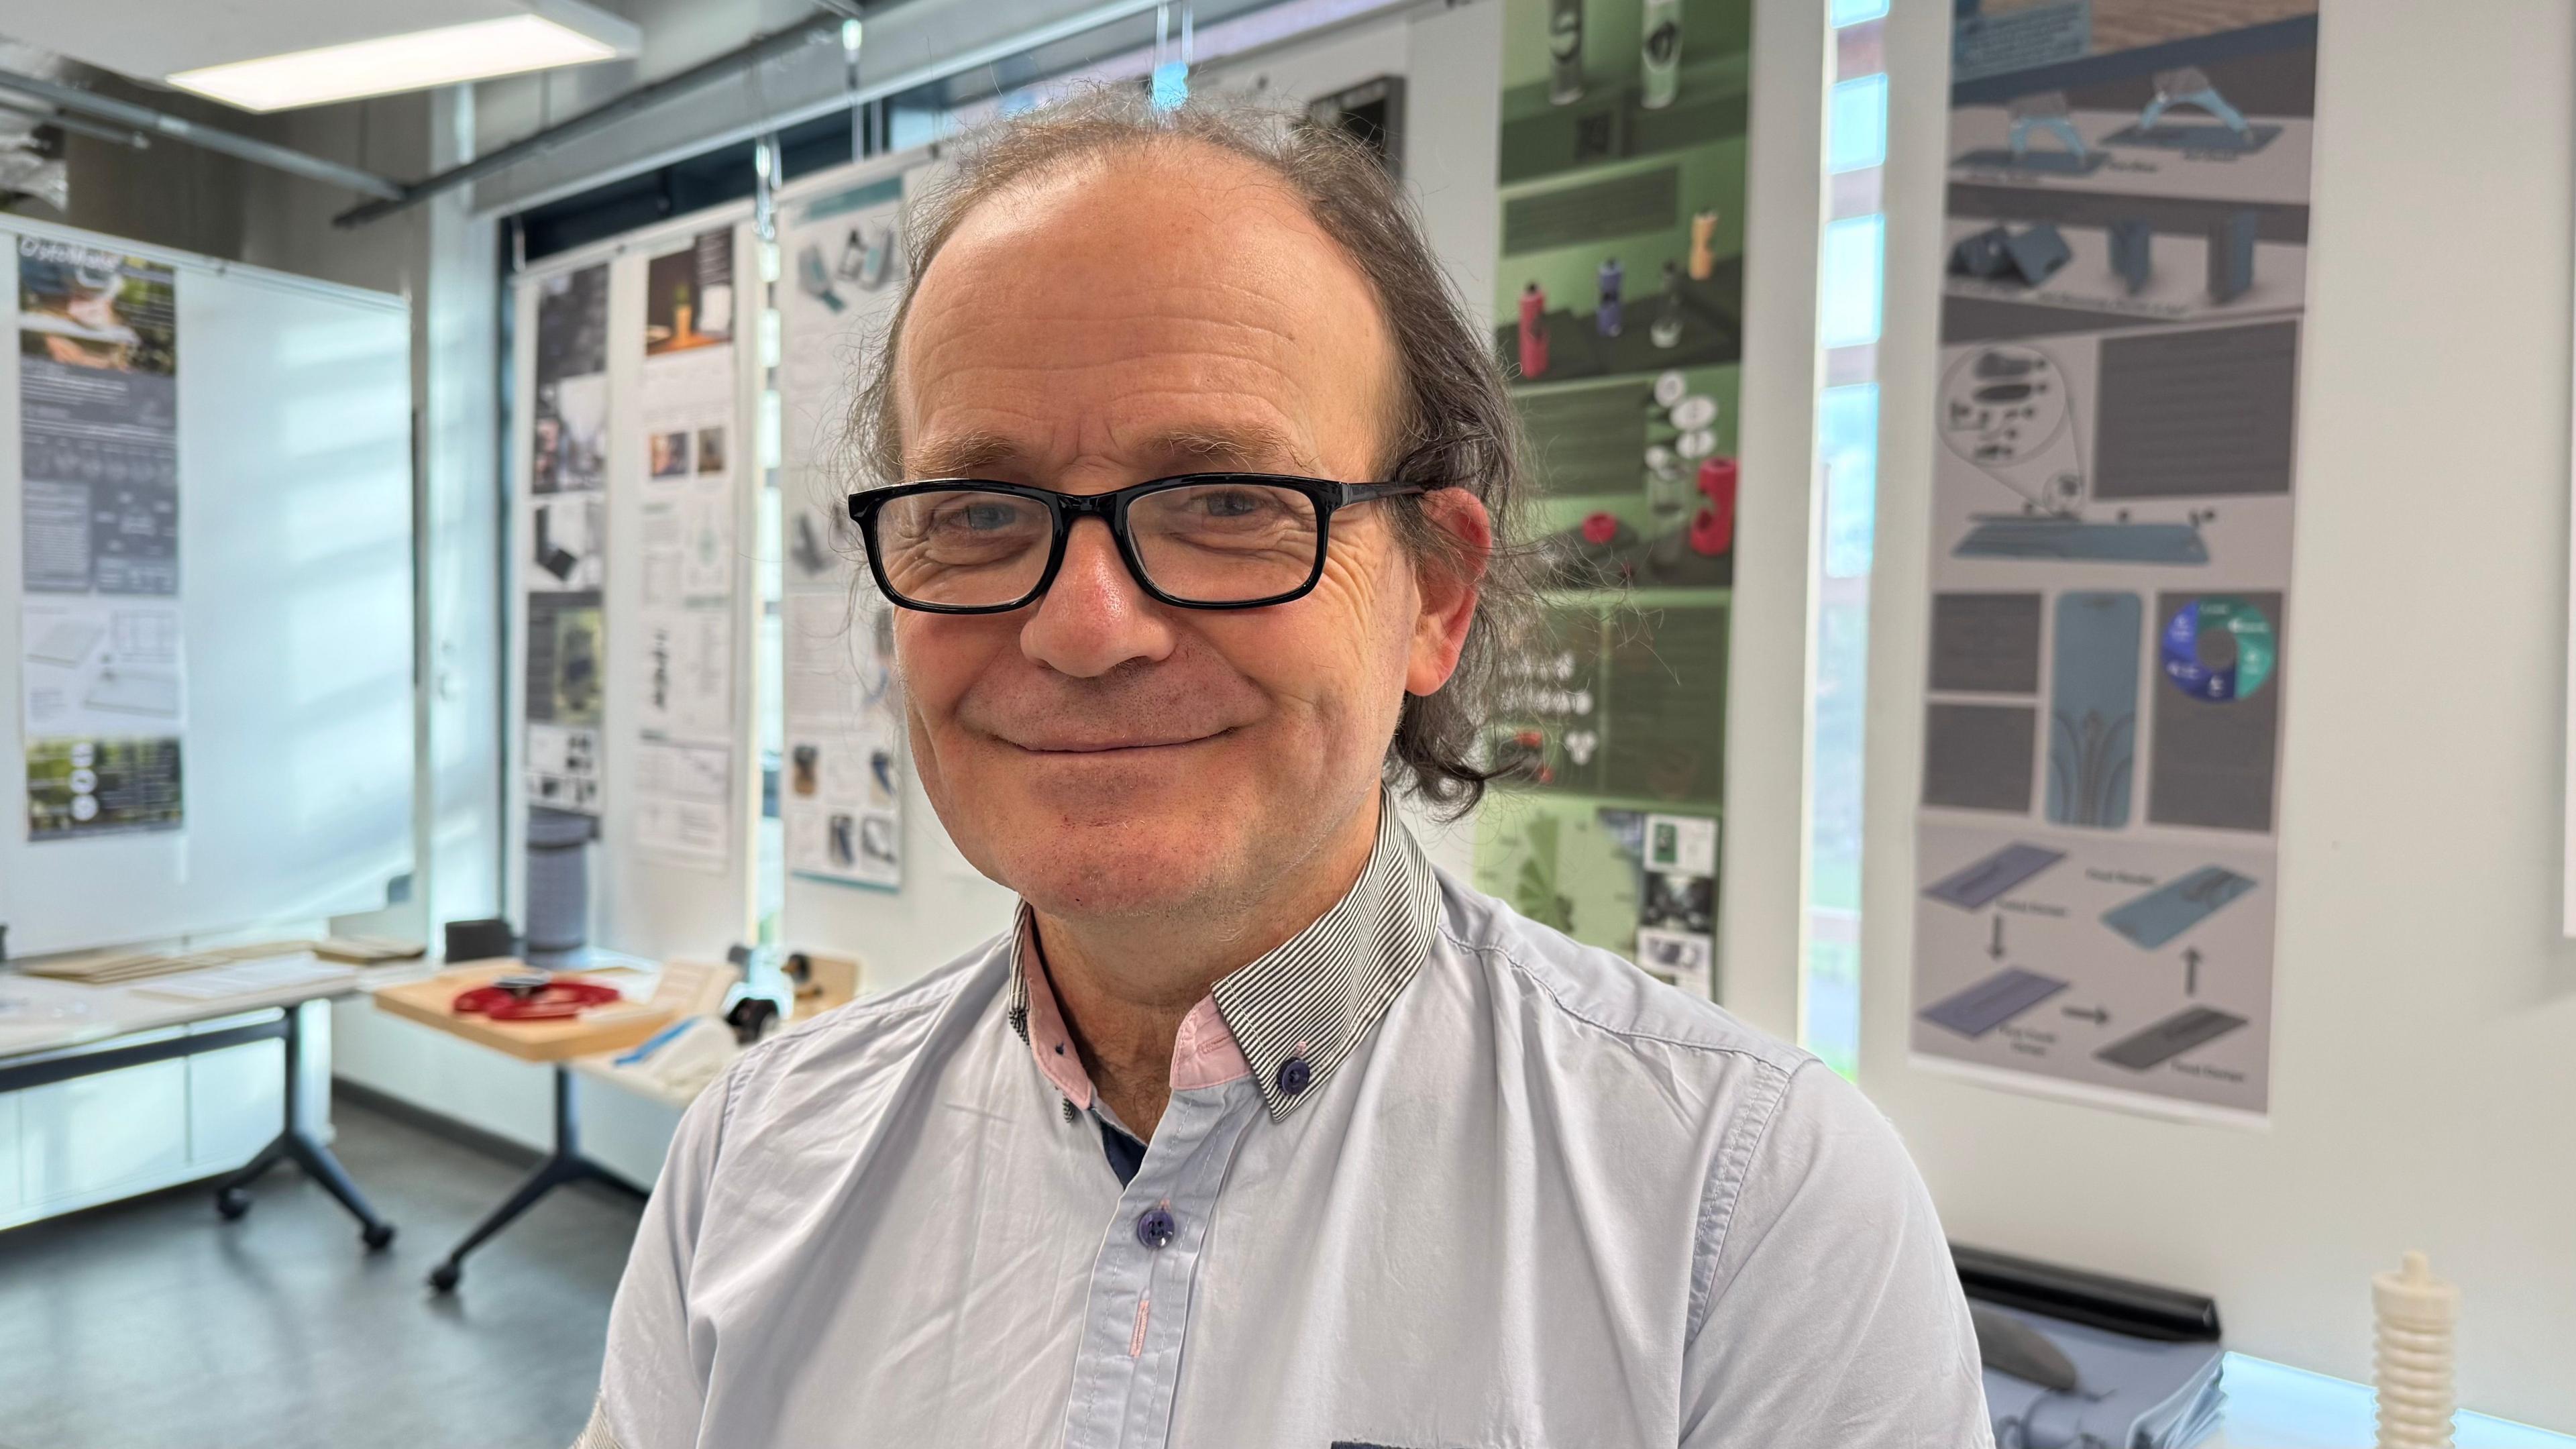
[1144, 868]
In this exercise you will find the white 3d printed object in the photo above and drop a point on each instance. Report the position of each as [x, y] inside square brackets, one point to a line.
[2417, 1313]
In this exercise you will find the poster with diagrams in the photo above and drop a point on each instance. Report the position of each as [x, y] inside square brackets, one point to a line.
[2112, 496]
[104, 694]
[840, 789]
[564, 531]
[1619, 306]
[688, 409]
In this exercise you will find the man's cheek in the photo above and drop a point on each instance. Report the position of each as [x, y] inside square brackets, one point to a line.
[934, 672]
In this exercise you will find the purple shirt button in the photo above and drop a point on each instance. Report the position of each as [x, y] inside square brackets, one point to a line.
[1155, 1228]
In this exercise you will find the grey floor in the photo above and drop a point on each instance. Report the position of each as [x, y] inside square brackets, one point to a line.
[154, 1323]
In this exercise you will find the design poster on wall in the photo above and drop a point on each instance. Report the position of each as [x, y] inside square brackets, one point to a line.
[1620, 297]
[566, 533]
[2112, 498]
[685, 628]
[840, 794]
[104, 695]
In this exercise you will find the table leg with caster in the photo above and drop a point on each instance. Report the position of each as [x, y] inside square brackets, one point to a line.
[564, 1165]
[298, 1144]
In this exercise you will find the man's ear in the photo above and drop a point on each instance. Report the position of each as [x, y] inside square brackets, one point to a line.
[1448, 587]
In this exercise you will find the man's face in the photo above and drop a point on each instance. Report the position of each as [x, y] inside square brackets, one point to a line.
[1099, 752]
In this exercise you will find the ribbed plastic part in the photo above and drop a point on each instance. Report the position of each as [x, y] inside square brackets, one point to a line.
[2418, 1314]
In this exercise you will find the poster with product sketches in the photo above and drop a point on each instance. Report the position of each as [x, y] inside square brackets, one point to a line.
[840, 791]
[104, 692]
[2113, 490]
[564, 519]
[1619, 294]
[684, 638]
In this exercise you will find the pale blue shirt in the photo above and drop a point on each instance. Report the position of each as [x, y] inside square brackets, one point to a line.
[1525, 1196]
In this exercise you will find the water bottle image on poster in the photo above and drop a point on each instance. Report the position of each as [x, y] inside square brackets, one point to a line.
[1618, 319]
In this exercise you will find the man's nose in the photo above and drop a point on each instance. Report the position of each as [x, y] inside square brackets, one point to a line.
[1094, 617]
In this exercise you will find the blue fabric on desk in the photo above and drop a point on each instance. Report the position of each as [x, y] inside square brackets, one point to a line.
[2134, 1393]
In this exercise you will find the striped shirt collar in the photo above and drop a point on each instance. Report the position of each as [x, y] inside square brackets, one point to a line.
[1308, 1001]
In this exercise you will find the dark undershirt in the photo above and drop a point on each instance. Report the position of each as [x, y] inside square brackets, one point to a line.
[1126, 1154]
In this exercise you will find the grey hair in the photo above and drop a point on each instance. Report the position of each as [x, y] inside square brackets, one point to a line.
[1453, 424]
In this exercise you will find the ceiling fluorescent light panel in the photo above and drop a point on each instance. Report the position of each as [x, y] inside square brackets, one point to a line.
[558, 33]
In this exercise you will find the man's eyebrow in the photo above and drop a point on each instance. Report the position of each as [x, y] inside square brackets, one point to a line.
[959, 455]
[1247, 446]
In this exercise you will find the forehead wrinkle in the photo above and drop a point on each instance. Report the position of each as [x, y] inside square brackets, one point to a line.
[1206, 424]
[1193, 381]
[1241, 429]
[1111, 334]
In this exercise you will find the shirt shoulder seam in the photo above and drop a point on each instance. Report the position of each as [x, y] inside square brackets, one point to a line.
[1628, 1033]
[900, 1006]
[1727, 1176]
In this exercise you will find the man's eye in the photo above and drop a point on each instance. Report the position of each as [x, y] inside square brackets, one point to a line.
[1239, 503]
[976, 518]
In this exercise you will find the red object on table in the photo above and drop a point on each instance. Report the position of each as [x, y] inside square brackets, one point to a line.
[551, 1002]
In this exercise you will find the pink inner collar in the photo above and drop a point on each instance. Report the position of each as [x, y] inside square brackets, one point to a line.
[1204, 1051]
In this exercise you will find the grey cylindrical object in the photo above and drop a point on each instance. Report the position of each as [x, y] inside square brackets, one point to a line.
[558, 882]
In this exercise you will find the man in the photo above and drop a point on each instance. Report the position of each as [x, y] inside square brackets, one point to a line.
[1252, 1130]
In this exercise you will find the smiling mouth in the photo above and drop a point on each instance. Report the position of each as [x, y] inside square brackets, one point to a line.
[1113, 748]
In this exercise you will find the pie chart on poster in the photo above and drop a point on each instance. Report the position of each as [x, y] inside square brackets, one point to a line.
[2219, 649]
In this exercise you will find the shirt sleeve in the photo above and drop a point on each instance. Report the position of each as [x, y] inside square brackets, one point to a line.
[652, 1388]
[1833, 1318]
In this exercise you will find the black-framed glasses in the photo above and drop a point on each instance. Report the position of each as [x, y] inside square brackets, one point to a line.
[1197, 541]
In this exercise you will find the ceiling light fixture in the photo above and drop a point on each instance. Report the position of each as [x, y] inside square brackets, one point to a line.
[555, 33]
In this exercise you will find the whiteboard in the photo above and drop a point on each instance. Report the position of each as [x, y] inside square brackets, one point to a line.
[295, 539]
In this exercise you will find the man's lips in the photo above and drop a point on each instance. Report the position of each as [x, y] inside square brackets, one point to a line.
[1089, 744]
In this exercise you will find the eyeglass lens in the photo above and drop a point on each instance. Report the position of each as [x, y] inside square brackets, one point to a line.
[1205, 543]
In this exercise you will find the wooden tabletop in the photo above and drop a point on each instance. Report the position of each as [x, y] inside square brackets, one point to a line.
[603, 1029]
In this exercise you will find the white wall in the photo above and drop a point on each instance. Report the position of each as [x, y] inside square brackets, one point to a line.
[2425, 1047]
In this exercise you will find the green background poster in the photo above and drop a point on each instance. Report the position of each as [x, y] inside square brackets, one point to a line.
[1619, 305]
